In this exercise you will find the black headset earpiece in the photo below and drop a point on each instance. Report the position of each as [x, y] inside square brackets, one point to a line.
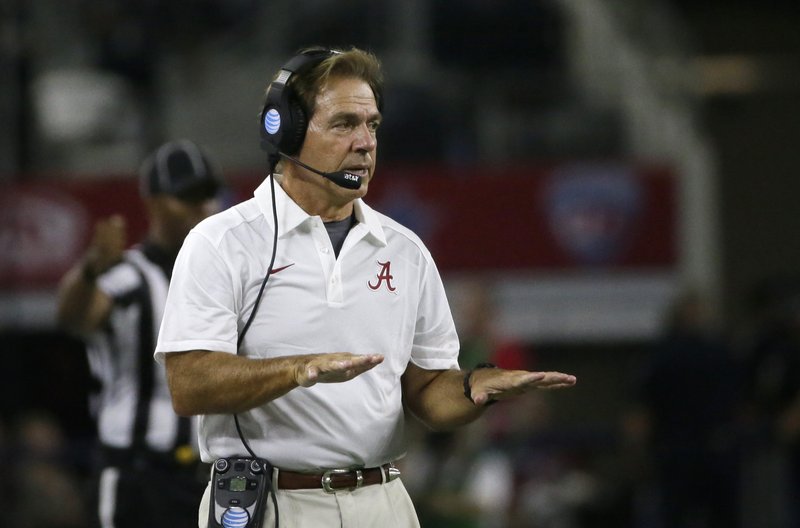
[283, 119]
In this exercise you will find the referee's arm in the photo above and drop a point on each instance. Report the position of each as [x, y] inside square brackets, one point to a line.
[81, 306]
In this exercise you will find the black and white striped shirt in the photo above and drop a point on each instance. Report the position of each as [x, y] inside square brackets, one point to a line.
[134, 409]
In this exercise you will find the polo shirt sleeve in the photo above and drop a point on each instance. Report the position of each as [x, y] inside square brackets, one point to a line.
[435, 344]
[200, 310]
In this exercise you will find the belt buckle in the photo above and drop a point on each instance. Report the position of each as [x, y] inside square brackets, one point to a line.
[327, 478]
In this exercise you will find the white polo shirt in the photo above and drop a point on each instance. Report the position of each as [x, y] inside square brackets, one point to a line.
[382, 295]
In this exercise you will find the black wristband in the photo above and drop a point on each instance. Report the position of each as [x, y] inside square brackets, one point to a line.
[468, 386]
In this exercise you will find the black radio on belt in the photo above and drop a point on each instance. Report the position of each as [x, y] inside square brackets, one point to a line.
[239, 488]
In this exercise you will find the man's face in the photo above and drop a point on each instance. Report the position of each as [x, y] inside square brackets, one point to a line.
[341, 134]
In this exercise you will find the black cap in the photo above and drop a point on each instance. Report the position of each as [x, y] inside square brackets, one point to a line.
[180, 169]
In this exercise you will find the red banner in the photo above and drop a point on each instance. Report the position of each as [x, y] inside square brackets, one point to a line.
[568, 218]
[527, 218]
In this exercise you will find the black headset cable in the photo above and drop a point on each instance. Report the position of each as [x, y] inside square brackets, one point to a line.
[250, 321]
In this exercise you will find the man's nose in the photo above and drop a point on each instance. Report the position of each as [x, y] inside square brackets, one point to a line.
[365, 139]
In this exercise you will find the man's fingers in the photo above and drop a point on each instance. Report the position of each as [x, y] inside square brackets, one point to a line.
[557, 386]
[362, 363]
[556, 380]
[533, 377]
[330, 368]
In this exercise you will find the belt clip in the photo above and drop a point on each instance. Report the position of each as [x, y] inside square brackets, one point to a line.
[327, 478]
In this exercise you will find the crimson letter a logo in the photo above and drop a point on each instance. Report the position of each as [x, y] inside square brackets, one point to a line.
[384, 275]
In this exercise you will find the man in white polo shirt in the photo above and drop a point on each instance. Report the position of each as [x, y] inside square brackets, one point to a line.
[301, 322]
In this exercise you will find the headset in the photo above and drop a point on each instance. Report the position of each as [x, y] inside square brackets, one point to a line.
[284, 120]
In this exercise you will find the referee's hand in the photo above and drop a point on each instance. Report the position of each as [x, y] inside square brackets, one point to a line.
[107, 246]
[333, 368]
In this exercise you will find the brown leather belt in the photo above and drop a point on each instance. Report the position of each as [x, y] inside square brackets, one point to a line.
[337, 479]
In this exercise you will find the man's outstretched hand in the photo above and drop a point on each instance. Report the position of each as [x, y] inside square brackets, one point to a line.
[334, 368]
[498, 384]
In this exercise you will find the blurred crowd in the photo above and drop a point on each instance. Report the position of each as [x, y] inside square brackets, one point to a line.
[708, 435]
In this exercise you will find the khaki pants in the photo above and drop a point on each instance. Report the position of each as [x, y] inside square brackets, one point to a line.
[379, 505]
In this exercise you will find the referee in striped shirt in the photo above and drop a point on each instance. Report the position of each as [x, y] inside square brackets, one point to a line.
[114, 299]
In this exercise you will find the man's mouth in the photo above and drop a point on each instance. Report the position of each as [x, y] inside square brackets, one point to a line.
[358, 171]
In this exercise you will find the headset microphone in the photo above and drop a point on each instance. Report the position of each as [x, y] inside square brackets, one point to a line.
[345, 179]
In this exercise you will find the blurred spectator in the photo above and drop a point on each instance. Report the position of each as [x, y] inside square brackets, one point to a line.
[481, 341]
[689, 399]
[149, 472]
[466, 33]
[518, 473]
[340, 24]
[46, 494]
[417, 128]
[7, 459]
[459, 480]
[494, 473]
[773, 402]
[127, 38]
[130, 39]
[467, 481]
[555, 481]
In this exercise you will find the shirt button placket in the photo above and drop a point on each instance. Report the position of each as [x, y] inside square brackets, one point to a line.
[335, 287]
[327, 258]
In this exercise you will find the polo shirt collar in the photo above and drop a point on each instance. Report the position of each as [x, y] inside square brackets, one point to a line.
[291, 216]
[368, 218]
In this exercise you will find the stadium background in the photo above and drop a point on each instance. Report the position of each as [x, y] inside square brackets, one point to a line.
[590, 161]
